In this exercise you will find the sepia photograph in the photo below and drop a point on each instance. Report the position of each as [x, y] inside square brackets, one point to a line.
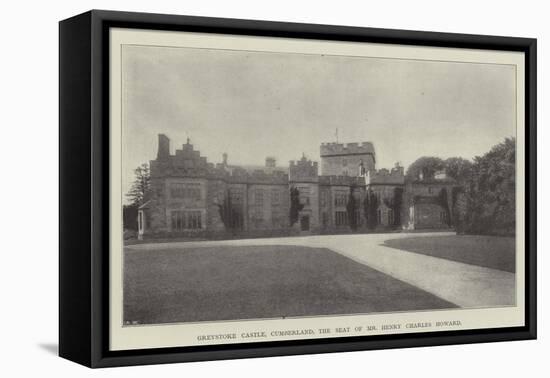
[262, 185]
[234, 188]
[272, 189]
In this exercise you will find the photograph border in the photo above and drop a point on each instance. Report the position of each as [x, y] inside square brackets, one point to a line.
[84, 187]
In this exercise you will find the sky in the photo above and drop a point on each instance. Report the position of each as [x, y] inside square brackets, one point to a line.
[257, 104]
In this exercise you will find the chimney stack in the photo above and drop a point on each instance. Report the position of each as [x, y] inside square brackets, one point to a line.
[270, 162]
[164, 147]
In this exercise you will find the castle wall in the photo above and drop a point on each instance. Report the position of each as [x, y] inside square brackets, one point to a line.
[345, 165]
[339, 200]
[216, 190]
[178, 200]
[267, 207]
[384, 217]
[326, 220]
[334, 195]
[309, 197]
[187, 193]
[239, 199]
[155, 221]
[429, 216]
[423, 204]
[389, 209]
[386, 177]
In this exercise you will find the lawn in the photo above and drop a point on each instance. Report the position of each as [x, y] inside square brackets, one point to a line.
[493, 252]
[224, 283]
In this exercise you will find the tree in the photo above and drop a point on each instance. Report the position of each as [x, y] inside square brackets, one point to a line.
[229, 214]
[490, 195]
[351, 208]
[427, 166]
[295, 205]
[459, 169]
[397, 205]
[141, 185]
[460, 209]
[370, 207]
[444, 202]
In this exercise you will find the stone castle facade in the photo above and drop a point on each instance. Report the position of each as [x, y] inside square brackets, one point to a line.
[191, 197]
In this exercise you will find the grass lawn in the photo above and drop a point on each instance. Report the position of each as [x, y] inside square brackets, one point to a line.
[493, 252]
[223, 283]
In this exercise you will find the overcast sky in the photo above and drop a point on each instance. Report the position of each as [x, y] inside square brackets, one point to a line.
[255, 104]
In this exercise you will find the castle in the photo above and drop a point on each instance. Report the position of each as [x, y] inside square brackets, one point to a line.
[191, 197]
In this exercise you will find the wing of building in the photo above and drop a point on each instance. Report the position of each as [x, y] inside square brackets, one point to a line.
[190, 197]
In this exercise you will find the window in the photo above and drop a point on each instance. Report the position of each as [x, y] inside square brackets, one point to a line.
[324, 196]
[304, 195]
[430, 190]
[379, 216]
[275, 197]
[236, 195]
[325, 219]
[257, 217]
[390, 217]
[341, 198]
[341, 218]
[190, 191]
[257, 213]
[259, 197]
[177, 190]
[194, 220]
[178, 220]
[278, 217]
[186, 220]
[442, 217]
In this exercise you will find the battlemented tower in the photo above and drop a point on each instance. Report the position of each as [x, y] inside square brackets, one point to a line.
[351, 159]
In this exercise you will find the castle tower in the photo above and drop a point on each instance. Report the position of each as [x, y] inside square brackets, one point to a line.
[362, 170]
[351, 159]
[303, 170]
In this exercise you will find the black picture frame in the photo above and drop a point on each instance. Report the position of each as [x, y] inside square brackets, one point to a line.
[84, 187]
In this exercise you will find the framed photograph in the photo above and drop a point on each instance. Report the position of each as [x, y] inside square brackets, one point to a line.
[234, 188]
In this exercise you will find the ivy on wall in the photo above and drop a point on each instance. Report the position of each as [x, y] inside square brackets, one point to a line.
[295, 205]
[370, 208]
[351, 208]
[230, 216]
[444, 203]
